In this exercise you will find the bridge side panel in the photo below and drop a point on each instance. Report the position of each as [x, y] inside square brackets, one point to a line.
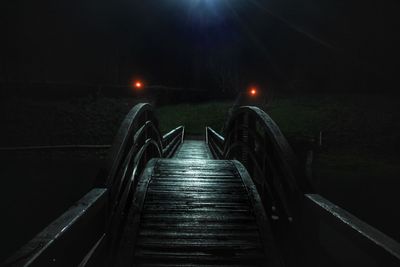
[67, 240]
[334, 237]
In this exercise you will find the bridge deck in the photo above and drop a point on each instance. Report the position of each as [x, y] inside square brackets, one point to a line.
[193, 149]
[197, 212]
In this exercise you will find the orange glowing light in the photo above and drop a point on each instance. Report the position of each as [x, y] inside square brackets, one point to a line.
[138, 84]
[253, 91]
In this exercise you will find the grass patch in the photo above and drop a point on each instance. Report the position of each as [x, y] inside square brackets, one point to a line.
[194, 117]
[366, 123]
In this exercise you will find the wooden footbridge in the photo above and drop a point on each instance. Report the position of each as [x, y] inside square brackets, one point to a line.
[237, 199]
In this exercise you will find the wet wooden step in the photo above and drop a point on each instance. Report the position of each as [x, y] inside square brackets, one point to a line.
[213, 257]
[193, 149]
[251, 234]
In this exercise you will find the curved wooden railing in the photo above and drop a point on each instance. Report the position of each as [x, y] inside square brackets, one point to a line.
[138, 140]
[254, 139]
[88, 234]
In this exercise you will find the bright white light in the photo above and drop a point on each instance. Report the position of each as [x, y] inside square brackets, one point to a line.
[205, 12]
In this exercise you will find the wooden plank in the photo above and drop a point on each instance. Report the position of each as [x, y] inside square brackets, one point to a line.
[193, 149]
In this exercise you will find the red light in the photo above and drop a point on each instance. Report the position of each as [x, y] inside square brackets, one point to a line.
[138, 84]
[253, 92]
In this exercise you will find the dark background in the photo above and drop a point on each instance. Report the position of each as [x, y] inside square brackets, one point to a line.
[311, 45]
[60, 61]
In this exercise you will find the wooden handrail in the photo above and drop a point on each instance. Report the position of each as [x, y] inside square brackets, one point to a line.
[137, 142]
[68, 239]
[254, 139]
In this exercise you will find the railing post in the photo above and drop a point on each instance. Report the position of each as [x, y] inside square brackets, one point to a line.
[183, 135]
[239, 138]
[146, 134]
[250, 143]
[207, 136]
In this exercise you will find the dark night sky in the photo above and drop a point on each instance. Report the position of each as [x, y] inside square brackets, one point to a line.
[330, 44]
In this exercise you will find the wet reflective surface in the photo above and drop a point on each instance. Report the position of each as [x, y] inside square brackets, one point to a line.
[197, 212]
